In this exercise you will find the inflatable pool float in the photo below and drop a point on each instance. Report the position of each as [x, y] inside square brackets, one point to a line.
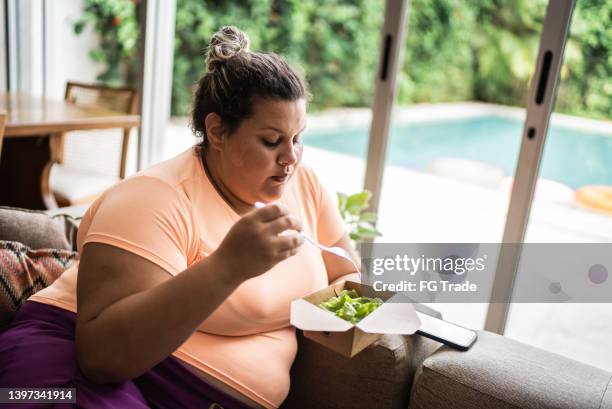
[597, 197]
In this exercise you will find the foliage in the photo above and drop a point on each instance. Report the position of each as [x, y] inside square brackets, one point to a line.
[483, 50]
[586, 82]
[331, 40]
[360, 223]
[438, 58]
[506, 47]
[116, 23]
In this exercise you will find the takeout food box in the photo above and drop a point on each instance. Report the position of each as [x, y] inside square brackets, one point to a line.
[395, 316]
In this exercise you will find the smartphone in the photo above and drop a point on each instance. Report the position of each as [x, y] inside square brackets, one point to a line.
[446, 332]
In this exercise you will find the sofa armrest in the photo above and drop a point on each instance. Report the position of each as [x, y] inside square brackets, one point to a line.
[498, 372]
[380, 376]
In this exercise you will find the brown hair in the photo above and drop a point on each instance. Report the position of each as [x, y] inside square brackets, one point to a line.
[235, 76]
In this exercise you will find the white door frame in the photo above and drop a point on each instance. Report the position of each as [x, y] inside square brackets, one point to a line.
[3, 48]
[542, 95]
[156, 85]
[389, 64]
[25, 37]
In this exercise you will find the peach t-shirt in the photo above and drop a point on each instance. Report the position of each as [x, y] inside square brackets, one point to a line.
[171, 215]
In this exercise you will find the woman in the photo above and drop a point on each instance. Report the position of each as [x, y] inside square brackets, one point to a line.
[183, 286]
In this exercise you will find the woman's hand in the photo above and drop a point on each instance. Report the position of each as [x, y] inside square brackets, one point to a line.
[254, 244]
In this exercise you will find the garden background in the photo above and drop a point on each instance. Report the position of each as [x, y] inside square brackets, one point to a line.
[455, 50]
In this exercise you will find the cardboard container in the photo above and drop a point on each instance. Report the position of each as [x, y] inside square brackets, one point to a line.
[395, 316]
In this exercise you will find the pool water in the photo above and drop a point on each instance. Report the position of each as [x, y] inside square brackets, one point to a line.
[573, 157]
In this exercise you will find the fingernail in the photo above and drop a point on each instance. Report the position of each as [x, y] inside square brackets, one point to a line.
[259, 205]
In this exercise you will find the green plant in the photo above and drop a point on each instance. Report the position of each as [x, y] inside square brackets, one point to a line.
[116, 22]
[359, 222]
[455, 50]
[332, 40]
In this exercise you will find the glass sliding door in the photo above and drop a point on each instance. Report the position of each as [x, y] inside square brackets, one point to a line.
[457, 126]
[573, 199]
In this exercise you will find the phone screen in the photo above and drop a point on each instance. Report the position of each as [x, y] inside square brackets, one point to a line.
[446, 332]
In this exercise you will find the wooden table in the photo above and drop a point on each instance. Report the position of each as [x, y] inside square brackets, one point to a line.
[32, 139]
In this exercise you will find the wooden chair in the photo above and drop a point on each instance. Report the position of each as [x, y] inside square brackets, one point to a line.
[2, 122]
[73, 185]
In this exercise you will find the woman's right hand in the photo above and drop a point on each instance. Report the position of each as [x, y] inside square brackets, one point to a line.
[254, 244]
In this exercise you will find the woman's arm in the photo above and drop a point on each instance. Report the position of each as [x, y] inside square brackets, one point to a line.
[339, 269]
[132, 313]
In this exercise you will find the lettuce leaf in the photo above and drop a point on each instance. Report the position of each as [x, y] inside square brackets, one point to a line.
[349, 306]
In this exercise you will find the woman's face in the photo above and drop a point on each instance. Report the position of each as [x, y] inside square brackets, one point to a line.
[262, 154]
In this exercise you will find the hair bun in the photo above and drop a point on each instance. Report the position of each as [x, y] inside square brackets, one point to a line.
[224, 44]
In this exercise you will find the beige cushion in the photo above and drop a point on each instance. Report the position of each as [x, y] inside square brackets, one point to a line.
[75, 185]
[35, 229]
[498, 372]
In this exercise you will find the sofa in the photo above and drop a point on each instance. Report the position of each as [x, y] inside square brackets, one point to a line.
[396, 371]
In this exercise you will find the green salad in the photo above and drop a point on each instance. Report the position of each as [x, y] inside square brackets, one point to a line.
[350, 306]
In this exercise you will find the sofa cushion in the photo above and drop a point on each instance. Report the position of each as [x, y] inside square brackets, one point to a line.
[498, 372]
[36, 229]
[24, 271]
[380, 376]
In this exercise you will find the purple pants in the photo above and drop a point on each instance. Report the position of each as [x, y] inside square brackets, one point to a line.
[37, 350]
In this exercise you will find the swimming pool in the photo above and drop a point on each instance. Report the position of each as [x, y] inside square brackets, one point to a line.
[573, 157]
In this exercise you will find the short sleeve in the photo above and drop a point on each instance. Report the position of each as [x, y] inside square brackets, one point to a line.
[330, 227]
[148, 217]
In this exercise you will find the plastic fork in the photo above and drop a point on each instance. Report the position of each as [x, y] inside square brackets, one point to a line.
[338, 251]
